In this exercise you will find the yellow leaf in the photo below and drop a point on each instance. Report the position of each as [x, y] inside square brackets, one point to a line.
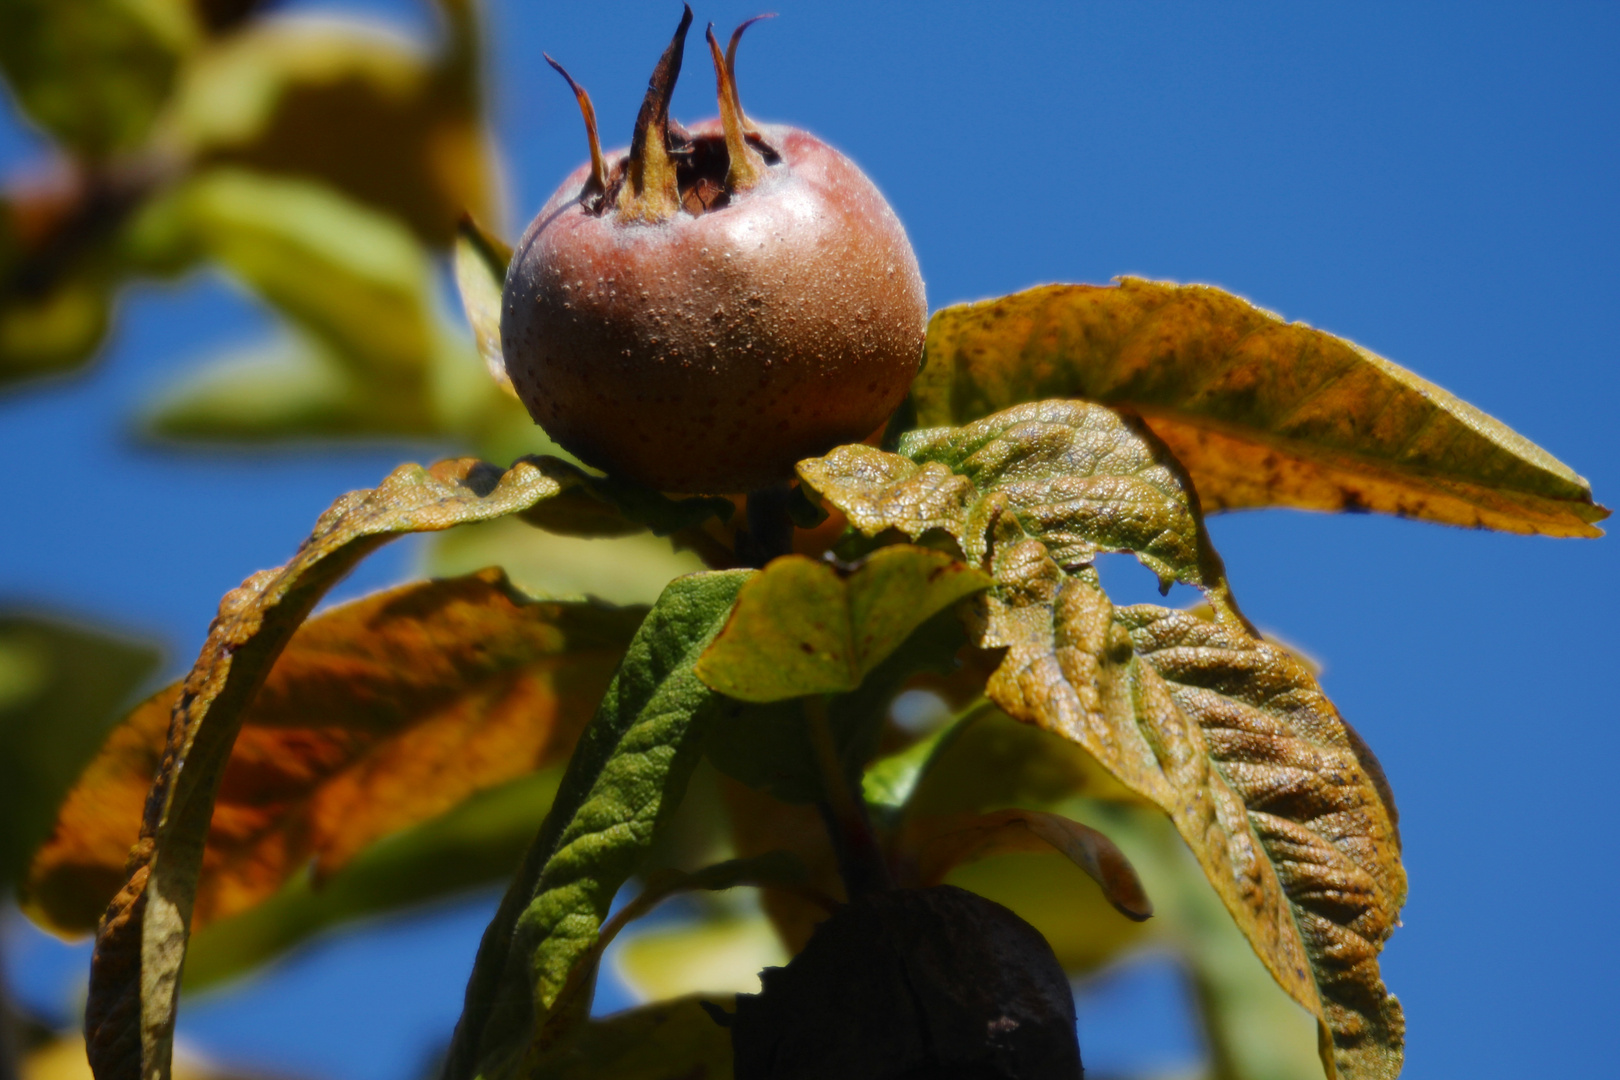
[1261, 412]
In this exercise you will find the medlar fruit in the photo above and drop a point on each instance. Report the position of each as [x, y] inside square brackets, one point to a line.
[714, 304]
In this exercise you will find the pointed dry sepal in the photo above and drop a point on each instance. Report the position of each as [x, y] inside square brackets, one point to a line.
[650, 192]
[745, 167]
[596, 183]
[731, 70]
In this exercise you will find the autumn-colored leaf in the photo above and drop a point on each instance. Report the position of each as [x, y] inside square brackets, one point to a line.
[379, 714]
[933, 846]
[140, 945]
[624, 780]
[1234, 740]
[1229, 735]
[1079, 477]
[474, 846]
[1261, 412]
[800, 627]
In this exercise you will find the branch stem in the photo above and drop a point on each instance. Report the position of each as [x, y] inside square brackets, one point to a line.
[860, 857]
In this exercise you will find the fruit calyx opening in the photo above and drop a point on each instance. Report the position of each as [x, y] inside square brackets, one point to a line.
[670, 171]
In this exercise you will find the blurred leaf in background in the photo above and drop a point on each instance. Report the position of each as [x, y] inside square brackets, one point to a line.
[62, 686]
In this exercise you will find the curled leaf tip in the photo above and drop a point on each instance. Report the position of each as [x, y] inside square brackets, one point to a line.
[652, 193]
[596, 183]
[745, 165]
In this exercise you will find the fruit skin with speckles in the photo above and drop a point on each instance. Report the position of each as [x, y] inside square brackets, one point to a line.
[709, 353]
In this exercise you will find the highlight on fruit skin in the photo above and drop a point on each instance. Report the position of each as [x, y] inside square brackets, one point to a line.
[703, 310]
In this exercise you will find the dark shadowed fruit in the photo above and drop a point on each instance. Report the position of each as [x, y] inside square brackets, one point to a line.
[908, 984]
[709, 307]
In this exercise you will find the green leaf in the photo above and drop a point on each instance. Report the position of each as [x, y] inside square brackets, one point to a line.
[94, 73]
[655, 1042]
[623, 782]
[472, 846]
[141, 943]
[350, 107]
[1261, 412]
[573, 1000]
[480, 264]
[768, 746]
[287, 389]
[800, 627]
[353, 279]
[60, 687]
[379, 714]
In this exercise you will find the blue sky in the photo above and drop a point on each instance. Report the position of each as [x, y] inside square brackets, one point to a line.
[1437, 184]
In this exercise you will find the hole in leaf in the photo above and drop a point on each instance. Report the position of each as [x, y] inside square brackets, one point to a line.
[1127, 581]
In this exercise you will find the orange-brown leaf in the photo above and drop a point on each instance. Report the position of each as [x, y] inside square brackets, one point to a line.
[379, 714]
[140, 947]
[1260, 411]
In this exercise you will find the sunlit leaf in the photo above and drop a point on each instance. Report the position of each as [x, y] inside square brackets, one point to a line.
[61, 685]
[291, 388]
[476, 845]
[349, 105]
[378, 715]
[351, 278]
[934, 846]
[801, 627]
[629, 569]
[1079, 477]
[140, 946]
[1261, 412]
[628, 774]
[94, 73]
[480, 263]
[655, 1042]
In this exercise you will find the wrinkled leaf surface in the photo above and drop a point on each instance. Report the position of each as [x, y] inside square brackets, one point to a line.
[1261, 412]
[1229, 735]
[624, 780]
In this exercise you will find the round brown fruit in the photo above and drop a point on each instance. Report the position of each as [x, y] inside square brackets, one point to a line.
[715, 305]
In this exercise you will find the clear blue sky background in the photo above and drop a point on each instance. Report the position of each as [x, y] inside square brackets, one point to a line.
[1439, 185]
